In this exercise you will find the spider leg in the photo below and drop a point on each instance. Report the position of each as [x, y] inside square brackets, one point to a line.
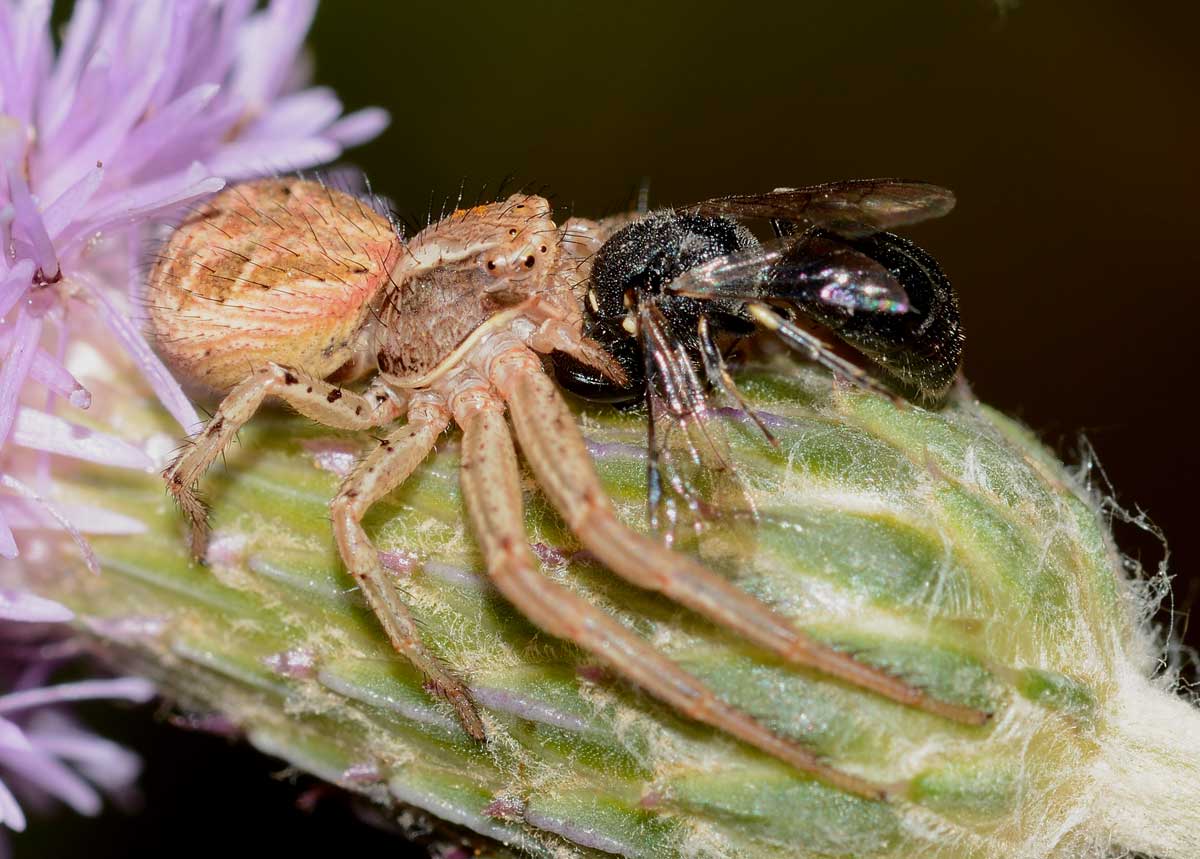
[324, 403]
[555, 450]
[491, 487]
[377, 474]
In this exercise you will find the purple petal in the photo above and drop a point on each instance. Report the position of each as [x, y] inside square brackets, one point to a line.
[8, 545]
[59, 93]
[54, 778]
[88, 97]
[8, 70]
[157, 375]
[162, 129]
[13, 737]
[267, 48]
[25, 515]
[30, 221]
[15, 285]
[30, 608]
[10, 812]
[218, 65]
[71, 163]
[40, 431]
[15, 369]
[85, 548]
[62, 211]
[265, 157]
[23, 39]
[101, 761]
[147, 200]
[358, 127]
[298, 115]
[54, 376]
[133, 689]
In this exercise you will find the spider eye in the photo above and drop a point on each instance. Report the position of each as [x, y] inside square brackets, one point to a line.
[529, 261]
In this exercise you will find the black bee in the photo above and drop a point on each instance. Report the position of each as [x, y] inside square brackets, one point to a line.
[669, 293]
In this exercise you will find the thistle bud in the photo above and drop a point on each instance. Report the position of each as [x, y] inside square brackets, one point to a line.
[947, 547]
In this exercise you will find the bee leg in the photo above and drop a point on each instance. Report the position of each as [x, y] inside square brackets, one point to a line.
[555, 334]
[718, 373]
[555, 450]
[817, 350]
[325, 403]
[377, 474]
[492, 489]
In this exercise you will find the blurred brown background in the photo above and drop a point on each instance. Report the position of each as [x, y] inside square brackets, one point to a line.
[1068, 128]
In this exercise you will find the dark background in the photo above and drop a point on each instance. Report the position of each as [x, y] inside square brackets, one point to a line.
[1068, 128]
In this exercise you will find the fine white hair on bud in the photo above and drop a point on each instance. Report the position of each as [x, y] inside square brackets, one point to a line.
[949, 547]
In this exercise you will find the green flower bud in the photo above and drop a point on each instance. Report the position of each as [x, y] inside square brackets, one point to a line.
[948, 547]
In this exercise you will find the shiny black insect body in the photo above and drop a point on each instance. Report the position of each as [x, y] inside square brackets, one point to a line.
[669, 293]
[633, 269]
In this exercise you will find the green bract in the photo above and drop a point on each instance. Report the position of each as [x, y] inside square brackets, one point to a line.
[949, 547]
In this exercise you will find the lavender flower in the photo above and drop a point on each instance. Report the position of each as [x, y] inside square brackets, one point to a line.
[147, 106]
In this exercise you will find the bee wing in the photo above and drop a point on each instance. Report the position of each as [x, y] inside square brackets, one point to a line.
[690, 469]
[812, 268]
[855, 207]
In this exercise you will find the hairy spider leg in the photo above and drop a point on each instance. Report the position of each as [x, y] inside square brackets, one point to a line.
[492, 490]
[555, 450]
[325, 403]
[378, 473]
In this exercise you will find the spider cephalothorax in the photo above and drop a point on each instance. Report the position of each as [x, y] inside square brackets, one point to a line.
[454, 319]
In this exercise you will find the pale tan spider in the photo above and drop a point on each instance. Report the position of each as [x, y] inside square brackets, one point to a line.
[286, 288]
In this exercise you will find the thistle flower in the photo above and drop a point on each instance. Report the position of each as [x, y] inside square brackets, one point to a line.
[44, 753]
[146, 106]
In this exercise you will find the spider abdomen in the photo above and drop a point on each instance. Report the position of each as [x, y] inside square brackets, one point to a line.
[256, 277]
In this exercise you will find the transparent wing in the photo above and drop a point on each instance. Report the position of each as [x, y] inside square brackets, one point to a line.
[691, 475]
[811, 268]
[853, 208]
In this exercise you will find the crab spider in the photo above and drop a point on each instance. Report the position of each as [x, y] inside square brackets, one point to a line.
[285, 288]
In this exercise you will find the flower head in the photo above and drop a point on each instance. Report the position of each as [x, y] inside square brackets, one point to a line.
[44, 753]
[144, 107]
